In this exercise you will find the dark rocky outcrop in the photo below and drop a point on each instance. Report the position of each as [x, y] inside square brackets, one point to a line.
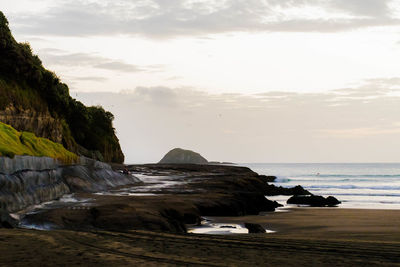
[254, 228]
[273, 190]
[314, 201]
[182, 156]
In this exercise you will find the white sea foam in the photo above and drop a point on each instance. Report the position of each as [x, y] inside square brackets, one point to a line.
[152, 186]
[42, 227]
[211, 228]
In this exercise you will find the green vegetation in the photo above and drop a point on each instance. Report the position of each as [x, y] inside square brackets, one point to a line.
[26, 84]
[14, 142]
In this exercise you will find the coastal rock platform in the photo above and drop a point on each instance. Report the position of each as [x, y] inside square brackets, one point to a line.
[169, 198]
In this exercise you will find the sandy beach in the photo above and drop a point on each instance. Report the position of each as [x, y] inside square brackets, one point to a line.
[304, 237]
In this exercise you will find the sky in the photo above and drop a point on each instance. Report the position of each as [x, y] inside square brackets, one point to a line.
[235, 80]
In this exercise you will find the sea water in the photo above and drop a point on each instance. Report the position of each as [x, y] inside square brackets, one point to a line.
[357, 185]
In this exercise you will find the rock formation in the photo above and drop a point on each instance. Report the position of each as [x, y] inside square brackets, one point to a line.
[182, 156]
[279, 190]
[254, 228]
[314, 201]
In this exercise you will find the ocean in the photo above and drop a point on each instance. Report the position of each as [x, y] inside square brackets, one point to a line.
[357, 185]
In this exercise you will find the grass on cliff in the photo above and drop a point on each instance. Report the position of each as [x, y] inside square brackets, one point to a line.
[13, 142]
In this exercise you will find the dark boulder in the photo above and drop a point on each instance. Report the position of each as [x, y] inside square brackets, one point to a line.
[271, 205]
[254, 228]
[313, 201]
[299, 190]
[332, 201]
[6, 221]
[272, 190]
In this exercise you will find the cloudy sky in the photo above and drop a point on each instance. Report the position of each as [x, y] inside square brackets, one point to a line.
[236, 80]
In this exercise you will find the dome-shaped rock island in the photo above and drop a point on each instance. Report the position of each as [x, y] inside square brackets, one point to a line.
[182, 156]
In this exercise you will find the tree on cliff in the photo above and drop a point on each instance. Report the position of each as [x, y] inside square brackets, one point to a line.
[3, 19]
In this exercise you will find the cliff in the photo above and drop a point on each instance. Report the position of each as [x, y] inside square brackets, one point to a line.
[182, 156]
[34, 99]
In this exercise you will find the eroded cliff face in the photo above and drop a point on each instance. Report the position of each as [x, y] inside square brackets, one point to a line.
[26, 180]
[22, 163]
[40, 123]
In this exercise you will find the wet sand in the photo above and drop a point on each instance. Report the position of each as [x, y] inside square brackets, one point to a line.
[329, 224]
[305, 237]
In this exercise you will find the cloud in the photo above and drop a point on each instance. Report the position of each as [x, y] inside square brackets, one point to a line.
[371, 8]
[353, 124]
[118, 66]
[88, 78]
[59, 57]
[165, 19]
[155, 95]
[359, 132]
[372, 88]
[329, 26]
